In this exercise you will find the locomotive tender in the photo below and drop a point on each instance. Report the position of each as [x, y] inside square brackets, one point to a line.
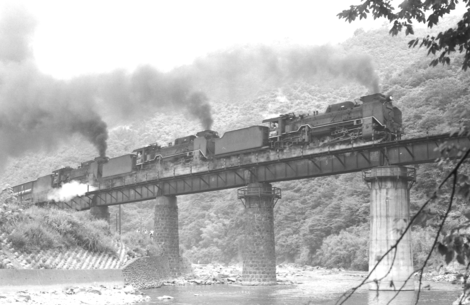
[370, 118]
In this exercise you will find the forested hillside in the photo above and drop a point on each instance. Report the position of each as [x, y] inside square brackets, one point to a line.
[320, 221]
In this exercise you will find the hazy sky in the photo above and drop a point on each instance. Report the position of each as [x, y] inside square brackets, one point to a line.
[84, 36]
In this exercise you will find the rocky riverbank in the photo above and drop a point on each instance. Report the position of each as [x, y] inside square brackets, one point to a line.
[91, 295]
[304, 277]
[304, 283]
[289, 274]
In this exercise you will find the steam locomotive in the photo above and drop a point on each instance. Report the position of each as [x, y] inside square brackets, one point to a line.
[370, 118]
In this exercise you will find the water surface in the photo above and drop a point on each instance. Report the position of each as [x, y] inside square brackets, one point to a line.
[287, 295]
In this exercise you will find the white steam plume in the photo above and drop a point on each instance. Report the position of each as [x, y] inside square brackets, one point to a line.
[69, 191]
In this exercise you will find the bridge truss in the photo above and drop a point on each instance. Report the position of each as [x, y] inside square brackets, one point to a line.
[348, 160]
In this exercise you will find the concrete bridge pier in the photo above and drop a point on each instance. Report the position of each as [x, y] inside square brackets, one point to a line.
[389, 216]
[258, 249]
[166, 231]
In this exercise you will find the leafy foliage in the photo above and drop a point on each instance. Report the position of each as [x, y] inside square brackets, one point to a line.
[315, 216]
[446, 42]
[140, 244]
[348, 249]
[35, 229]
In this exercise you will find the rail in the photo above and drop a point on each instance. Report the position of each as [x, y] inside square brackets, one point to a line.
[268, 167]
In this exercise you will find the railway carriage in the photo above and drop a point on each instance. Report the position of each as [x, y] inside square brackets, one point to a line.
[370, 118]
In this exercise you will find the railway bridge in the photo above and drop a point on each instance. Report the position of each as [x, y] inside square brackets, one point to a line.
[386, 169]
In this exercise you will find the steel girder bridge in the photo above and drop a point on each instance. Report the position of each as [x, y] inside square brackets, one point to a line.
[340, 161]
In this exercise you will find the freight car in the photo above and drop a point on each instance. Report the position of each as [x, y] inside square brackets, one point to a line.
[372, 117]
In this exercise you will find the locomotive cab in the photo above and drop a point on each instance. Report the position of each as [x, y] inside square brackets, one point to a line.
[146, 154]
[278, 125]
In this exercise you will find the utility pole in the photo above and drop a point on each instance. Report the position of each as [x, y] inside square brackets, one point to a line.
[120, 220]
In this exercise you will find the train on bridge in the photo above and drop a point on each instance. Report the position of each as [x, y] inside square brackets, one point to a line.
[368, 119]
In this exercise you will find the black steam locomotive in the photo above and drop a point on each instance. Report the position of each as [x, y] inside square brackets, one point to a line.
[370, 118]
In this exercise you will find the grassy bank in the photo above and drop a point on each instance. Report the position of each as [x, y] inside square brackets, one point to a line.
[46, 228]
[30, 229]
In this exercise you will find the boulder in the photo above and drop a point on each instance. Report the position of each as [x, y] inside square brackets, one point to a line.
[22, 298]
[165, 297]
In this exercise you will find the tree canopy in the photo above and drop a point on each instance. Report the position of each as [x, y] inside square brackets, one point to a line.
[428, 11]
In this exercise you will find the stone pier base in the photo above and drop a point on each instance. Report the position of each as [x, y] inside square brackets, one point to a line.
[258, 250]
[389, 216]
[166, 231]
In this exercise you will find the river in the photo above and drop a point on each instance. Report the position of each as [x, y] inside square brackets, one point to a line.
[290, 295]
[287, 295]
[310, 286]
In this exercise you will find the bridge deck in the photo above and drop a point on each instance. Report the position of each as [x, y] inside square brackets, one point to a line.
[270, 168]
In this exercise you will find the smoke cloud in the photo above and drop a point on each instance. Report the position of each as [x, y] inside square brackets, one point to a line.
[69, 190]
[38, 111]
[129, 95]
[280, 64]
[198, 107]
[16, 28]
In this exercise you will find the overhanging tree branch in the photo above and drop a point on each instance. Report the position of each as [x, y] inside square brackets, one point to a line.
[446, 42]
[452, 173]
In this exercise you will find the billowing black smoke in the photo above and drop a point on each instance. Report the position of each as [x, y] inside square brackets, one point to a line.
[279, 64]
[199, 108]
[310, 61]
[37, 111]
[147, 89]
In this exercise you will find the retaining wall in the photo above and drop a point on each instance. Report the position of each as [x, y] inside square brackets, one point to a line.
[11, 278]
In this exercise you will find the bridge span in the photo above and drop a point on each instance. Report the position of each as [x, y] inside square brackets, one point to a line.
[271, 167]
[384, 170]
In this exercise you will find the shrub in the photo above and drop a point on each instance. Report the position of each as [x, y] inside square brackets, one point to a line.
[348, 249]
[46, 228]
[141, 244]
[422, 240]
[208, 255]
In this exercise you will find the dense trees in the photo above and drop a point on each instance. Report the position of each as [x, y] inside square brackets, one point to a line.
[314, 216]
[430, 12]
[440, 102]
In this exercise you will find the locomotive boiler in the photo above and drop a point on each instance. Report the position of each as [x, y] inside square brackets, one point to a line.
[371, 118]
